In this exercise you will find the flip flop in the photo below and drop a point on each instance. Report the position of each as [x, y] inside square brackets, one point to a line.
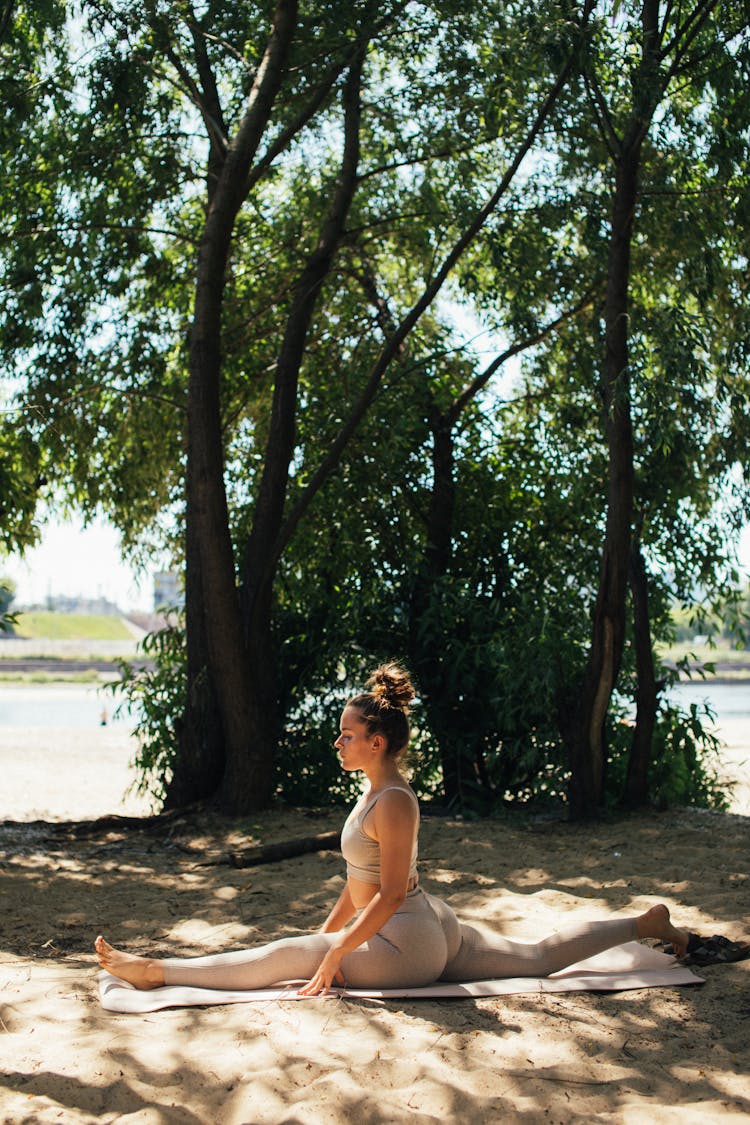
[716, 950]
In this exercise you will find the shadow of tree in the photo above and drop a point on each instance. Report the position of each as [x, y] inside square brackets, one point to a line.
[563, 1057]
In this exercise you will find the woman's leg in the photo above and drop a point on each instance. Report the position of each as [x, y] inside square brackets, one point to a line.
[294, 958]
[409, 951]
[490, 957]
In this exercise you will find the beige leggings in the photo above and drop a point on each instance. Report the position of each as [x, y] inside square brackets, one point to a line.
[421, 943]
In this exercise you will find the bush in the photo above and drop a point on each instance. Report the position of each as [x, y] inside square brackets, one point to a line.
[685, 762]
[154, 693]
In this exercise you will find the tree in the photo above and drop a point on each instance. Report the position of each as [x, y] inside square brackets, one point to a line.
[7, 593]
[28, 53]
[238, 645]
[673, 44]
[235, 260]
[123, 218]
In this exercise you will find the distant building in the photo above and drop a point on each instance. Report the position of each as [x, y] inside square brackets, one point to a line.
[168, 592]
[61, 603]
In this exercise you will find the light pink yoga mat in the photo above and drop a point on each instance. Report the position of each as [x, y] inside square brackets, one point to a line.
[625, 967]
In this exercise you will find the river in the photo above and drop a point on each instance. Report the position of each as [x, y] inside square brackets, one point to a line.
[72, 706]
[81, 707]
[64, 754]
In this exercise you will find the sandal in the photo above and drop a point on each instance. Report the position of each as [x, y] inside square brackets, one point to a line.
[716, 950]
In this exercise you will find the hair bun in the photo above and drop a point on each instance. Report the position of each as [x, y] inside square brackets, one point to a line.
[391, 686]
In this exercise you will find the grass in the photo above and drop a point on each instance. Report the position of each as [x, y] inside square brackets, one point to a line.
[71, 627]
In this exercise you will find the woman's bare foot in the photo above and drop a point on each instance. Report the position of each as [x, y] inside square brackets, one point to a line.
[139, 971]
[656, 923]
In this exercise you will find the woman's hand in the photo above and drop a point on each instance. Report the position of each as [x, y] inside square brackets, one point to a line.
[328, 973]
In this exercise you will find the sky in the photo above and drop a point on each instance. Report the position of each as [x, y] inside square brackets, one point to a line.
[73, 560]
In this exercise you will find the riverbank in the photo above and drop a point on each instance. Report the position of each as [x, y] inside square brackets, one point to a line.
[68, 659]
[720, 665]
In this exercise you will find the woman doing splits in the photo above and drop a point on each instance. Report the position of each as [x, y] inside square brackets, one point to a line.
[399, 936]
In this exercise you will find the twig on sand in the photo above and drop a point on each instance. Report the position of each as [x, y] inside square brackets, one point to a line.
[114, 821]
[563, 1078]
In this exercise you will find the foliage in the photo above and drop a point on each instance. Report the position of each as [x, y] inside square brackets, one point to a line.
[8, 620]
[103, 208]
[152, 692]
[728, 626]
[686, 761]
[20, 480]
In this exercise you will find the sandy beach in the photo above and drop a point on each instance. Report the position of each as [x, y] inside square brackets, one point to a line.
[671, 1054]
[666, 1055]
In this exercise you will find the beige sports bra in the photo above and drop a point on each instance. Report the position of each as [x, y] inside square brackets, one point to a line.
[361, 852]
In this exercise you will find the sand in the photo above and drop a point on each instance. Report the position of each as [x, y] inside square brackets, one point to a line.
[666, 1055]
[735, 758]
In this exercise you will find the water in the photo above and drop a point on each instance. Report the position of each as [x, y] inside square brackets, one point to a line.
[33, 787]
[80, 707]
[729, 701]
[60, 705]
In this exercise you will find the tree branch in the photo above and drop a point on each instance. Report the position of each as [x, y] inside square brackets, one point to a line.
[691, 26]
[668, 7]
[649, 87]
[214, 115]
[393, 345]
[308, 111]
[211, 113]
[280, 445]
[476, 385]
[383, 314]
[601, 111]
[6, 17]
[419, 158]
[124, 227]
[323, 89]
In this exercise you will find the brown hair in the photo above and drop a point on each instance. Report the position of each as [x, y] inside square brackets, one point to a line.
[385, 707]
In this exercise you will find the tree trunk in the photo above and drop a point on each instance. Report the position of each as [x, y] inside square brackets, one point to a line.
[243, 722]
[648, 689]
[199, 764]
[426, 658]
[586, 741]
[262, 553]
[587, 750]
[587, 753]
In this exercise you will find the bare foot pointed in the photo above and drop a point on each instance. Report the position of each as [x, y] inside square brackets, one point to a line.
[656, 923]
[141, 972]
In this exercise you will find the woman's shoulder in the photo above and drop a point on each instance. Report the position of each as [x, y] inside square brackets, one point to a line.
[386, 810]
[405, 788]
[386, 798]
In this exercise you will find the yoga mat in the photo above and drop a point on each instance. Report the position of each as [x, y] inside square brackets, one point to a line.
[624, 967]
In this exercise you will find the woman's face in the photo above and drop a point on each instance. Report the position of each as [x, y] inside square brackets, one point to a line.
[354, 743]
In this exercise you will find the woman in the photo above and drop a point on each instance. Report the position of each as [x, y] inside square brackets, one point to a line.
[399, 936]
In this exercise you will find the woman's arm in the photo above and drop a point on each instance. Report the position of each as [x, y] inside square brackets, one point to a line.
[394, 824]
[341, 913]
